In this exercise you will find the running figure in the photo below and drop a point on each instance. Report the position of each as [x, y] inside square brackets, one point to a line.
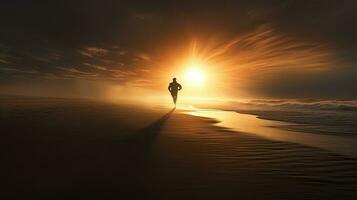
[174, 87]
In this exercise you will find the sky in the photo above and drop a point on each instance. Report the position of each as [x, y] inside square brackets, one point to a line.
[245, 49]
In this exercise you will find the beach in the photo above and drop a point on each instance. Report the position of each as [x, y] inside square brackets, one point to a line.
[82, 149]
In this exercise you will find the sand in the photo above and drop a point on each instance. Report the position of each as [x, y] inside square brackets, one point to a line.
[76, 149]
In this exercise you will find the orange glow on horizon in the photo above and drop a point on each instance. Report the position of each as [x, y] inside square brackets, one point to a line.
[233, 68]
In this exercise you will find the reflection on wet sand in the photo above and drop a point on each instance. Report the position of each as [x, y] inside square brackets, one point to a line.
[270, 129]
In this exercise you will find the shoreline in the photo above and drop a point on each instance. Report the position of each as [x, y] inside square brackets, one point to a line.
[272, 129]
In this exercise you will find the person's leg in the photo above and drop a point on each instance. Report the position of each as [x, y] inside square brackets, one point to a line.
[175, 98]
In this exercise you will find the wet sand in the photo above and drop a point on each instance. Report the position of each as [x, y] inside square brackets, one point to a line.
[276, 130]
[65, 149]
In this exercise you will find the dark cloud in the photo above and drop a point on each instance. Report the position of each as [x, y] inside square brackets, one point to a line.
[127, 41]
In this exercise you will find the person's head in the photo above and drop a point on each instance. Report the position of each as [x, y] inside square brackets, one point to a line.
[174, 79]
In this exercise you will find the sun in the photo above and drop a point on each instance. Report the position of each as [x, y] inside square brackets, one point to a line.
[194, 76]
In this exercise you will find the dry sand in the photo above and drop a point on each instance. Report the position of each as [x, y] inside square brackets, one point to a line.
[66, 149]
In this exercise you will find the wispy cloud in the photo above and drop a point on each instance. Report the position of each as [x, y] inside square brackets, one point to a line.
[264, 51]
[144, 57]
[112, 72]
[93, 51]
[21, 71]
[4, 61]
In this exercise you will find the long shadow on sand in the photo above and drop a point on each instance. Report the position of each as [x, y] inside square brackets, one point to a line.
[153, 129]
[134, 157]
[142, 139]
[140, 142]
[121, 172]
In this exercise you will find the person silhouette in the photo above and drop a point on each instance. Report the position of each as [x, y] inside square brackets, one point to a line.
[174, 87]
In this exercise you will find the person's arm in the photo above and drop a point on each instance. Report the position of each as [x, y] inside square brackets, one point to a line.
[180, 87]
[169, 88]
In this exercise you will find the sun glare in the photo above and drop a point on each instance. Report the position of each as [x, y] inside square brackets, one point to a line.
[194, 76]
